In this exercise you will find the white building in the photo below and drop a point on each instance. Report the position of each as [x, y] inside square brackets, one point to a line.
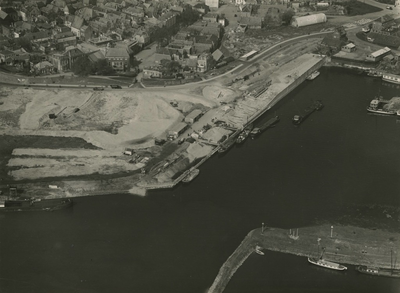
[212, 3]
[298, 21]
[378, 55]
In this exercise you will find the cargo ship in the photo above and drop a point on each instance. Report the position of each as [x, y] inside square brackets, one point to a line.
[391, 78]
[244, 134]
[30, 204]
[316, 106]
[313, 75]
[192, 174]
[326, 264]
[378, 106]
[227, 144]
[269, 123]
[379, 271]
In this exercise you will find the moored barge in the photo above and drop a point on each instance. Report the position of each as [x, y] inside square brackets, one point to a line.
[30, 204]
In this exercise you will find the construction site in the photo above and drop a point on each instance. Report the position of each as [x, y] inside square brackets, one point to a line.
[142, 137]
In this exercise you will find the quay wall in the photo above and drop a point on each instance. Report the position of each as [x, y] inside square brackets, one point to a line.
[342, 244]
[287, 90]
[268, 106]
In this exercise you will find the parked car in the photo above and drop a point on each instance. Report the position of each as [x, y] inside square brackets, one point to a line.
[370, 39]
[389, 7]
[115, 86]
[98, 89]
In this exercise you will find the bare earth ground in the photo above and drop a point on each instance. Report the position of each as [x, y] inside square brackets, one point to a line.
[110, 120]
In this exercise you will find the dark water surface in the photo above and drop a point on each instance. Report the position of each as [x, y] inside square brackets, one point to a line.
[176, 240]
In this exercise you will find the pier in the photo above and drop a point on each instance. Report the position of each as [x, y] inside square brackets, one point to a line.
[342, 244]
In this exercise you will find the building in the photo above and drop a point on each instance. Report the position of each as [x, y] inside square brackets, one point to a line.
[212, 3]
[193, 116]
[205, 62]
[118, 58]
[44, 67]
[168, 19]
[76, 26]
[64, 61]
[211, 17]
[64, 40]
[378, 55]
[350, 47]
[152, 72]
[177, 130]
[308, 19]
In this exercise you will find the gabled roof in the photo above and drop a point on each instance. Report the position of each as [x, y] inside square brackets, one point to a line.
[217, 54]
[6, 53]
[3, 14]
[117, 52]
[96, 56]
[78, 22]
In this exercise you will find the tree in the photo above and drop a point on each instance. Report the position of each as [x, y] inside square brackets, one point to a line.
[189, 16]
[24, 43]
[82, 66]
[102, 67]
[287, 16]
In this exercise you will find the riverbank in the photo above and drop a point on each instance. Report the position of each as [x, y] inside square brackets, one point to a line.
[258, 96]
[342, 244]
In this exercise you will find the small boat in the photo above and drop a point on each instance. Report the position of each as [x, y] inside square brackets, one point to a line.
[313, 75]
[326, 264]
[377, 106]
[374, 73]
[244, 134]
[258, 250]
[297, 119]
[319, 105]
[192, 174]
[31, 204]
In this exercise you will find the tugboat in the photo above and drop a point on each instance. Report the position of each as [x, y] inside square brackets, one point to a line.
[31, 204]
[313, 75]
[244, 134]
[297, 119]
[270, 123]
[192, 174]
[378, 106]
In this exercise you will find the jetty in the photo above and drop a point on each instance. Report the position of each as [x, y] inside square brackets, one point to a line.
[342, 244]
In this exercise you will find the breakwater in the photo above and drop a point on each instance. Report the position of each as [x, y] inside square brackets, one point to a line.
[341, 244]
[233, 263]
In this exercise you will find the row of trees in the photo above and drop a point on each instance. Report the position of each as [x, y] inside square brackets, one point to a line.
[84, 67]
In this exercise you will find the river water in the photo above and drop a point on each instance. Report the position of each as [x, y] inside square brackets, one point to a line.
[338, 163]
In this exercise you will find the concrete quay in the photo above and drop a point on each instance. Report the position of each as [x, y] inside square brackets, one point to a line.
[341, 244]
[250, 108]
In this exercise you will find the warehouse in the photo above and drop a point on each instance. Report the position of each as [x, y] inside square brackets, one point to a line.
[298, 21]
[177, 130]
[193, 116]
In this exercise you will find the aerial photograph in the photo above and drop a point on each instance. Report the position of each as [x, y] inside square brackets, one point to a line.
[199, 146]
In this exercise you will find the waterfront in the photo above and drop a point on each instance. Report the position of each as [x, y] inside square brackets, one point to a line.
[335, 165]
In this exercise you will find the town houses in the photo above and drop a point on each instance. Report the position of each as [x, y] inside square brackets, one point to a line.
[53, 35]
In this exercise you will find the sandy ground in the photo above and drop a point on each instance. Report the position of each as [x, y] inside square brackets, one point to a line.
[110, 120]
